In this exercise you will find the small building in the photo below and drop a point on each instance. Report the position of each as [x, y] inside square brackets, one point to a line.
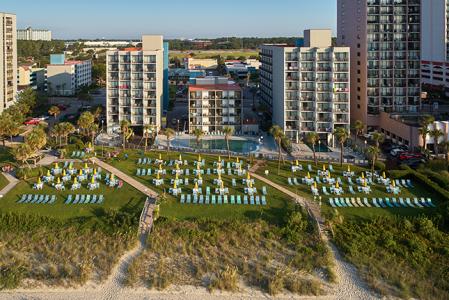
[191, 63]
[66, 77]
[178, 76]
[30, 76]
[215, 102]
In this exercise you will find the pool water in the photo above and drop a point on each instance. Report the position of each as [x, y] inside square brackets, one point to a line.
[320, 148]
[240, 146]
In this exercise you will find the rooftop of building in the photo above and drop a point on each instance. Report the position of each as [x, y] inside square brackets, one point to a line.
[214, 87]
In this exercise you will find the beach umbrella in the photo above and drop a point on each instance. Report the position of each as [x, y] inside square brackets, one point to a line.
[219, 158]
[337, 185]
[308, 175]
[95, 171]
[315, 185]
[383, 175]
[250, 184]
[176, 176]
[199, 157]
[80, 172]
[198, 167]
[75, 181]
[64, 173]
[112, 177]
[248, 177]
[177, 166]
[393, 183]
[58, 180]
[199, 176]
[92, 180]
[365, 183]
[71, 166]
[160, 167]
[48, 173]
[329, 175]
[237, 160]
[39, 180]
[349, 168]
[85, 166]
[219, 176]
[196, 185]
[89, 145]
[175, 186]
[222, 185]
[180, 157]
[56, 165]
[363, 175]
[160, 156]
[158, 176]
[324, 167]
[297, 163]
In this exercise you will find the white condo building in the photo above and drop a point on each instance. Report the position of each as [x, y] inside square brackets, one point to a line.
[435, 43]
[31, 34]
[135, 84]
[8, 60]
[307, 87]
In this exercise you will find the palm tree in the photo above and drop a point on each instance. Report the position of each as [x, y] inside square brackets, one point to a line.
[424, 130]
[445, 144]
[436, 134]
[58, 132]
[198, 133]
[342, 135]
[312, 138]
[169, 133]
[378, 138]
[277, 133]
[93, 129]
[228, 132]
[147, 131]
[85, 121]
[374, 152]
[358, 127]
[54, 111]
[97, 113]
[124, 127]
[22, 153]
[68, 129]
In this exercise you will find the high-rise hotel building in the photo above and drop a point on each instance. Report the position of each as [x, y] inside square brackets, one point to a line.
[135, 84]
[435, 43]
[385, 41]
[307, 88]
[8, 60]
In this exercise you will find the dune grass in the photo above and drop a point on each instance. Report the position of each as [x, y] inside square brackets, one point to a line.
[220, 254]
[403, 257]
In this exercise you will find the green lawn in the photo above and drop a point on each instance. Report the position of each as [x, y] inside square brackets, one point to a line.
[3, 181]
[377, 190]
[278, 203]
[126, 199]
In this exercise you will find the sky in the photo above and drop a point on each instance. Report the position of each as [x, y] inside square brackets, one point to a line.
[129, 19]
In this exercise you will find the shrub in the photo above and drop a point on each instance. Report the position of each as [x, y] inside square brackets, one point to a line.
[287, 145]
[22, 173]
[227, 279]
[276, 283]
[379, 166]
[437, 165]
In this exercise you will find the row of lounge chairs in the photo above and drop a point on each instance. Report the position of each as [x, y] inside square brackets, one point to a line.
[381, 202]
[78, 154]
[225, 199]
[37, 199]
[84, 199]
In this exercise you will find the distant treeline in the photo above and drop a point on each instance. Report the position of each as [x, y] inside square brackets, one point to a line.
[40, 50]
[229, 43]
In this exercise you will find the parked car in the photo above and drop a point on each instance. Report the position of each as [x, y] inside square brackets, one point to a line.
[33, 121]
[414, 162]
[43, 118]
[396, 151]
[407, 156]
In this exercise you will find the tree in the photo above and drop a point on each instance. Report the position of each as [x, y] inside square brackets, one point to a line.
[374, 152]
[198, 133]
[436, 134]
[58, 132]
[148, 131]
[85, 121]
[424, 131]
[169, 133]
[342, 135]
[68, 129]
[127, 132]
[8, 127]
[277, 133]
[378, 138]
[228, 132]
[97, 113]
[312, 138]
[22, 153]
[93, 129]
[54, 111]
[446, 150]
[358, 127]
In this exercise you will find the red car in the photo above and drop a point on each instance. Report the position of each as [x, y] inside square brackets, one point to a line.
[34, 121]
[407, 156]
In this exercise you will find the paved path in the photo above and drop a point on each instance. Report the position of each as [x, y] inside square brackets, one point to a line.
[12, 183]
[128, 179]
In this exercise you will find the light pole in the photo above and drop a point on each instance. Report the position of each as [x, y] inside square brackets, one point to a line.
[178, 125]
[319, 149]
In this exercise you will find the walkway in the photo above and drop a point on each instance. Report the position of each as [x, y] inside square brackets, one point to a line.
[128, 179]
[12, 183]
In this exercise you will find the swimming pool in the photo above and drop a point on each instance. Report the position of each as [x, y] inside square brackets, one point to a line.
[240, 146]
[319, 148]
